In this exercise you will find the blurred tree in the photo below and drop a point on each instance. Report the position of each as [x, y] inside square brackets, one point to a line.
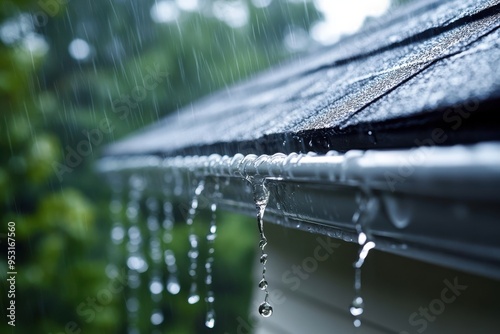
[75, 75]
[54, 224]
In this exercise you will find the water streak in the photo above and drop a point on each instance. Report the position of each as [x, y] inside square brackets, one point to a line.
[367, 209]
[155, 254]
[117, 231]
[115, 208]
[261, 198]
[211, 235]
[172, 284]
[193, 253]
[135, 261]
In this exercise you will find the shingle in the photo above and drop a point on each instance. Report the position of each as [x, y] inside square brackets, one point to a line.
[389, 78]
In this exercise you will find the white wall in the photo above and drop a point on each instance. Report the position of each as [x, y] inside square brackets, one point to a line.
[394, 288]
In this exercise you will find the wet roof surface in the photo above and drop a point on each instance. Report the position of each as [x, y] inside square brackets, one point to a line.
[432, 65]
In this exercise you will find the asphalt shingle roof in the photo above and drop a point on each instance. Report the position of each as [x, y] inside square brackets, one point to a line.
[431, 65]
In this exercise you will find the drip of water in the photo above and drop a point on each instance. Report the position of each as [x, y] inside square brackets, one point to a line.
[211, 235]
[135, 260]
[261, 198]
[367, 209]
[172, 284]
[399, 211]
[193, 253]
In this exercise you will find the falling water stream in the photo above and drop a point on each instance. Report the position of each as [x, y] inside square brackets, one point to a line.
[211, 235]
[193, 252]
[135, 261]
[172, 284]
[367, 209]
[155, 254]
[115, 207]
[261, 198]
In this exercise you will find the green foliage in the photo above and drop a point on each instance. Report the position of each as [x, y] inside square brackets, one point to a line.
[50, 103]
[56, 115]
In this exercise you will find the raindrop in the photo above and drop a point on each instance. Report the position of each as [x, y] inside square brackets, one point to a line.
[137, 263]
[164, 12]
[156, 317]
[117, 234]
[265, 309]
[156, 287]
[79, 49]
[364, 253]
[357, 306]
[361, 238]
[193, 294]
[372, 137]
[210, 319]
[173, 285]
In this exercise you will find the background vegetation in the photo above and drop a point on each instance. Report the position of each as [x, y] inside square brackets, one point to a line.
[54, 98]
[76, 75]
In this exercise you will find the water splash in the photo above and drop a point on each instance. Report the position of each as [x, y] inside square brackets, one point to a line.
[135, 260]
[193, 252]
[211, 235]
[261, 198]
[368, 206]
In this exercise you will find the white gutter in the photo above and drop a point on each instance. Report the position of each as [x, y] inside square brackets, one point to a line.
[437, 204]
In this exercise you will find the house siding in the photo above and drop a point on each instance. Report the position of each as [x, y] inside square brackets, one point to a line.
[316, 298]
